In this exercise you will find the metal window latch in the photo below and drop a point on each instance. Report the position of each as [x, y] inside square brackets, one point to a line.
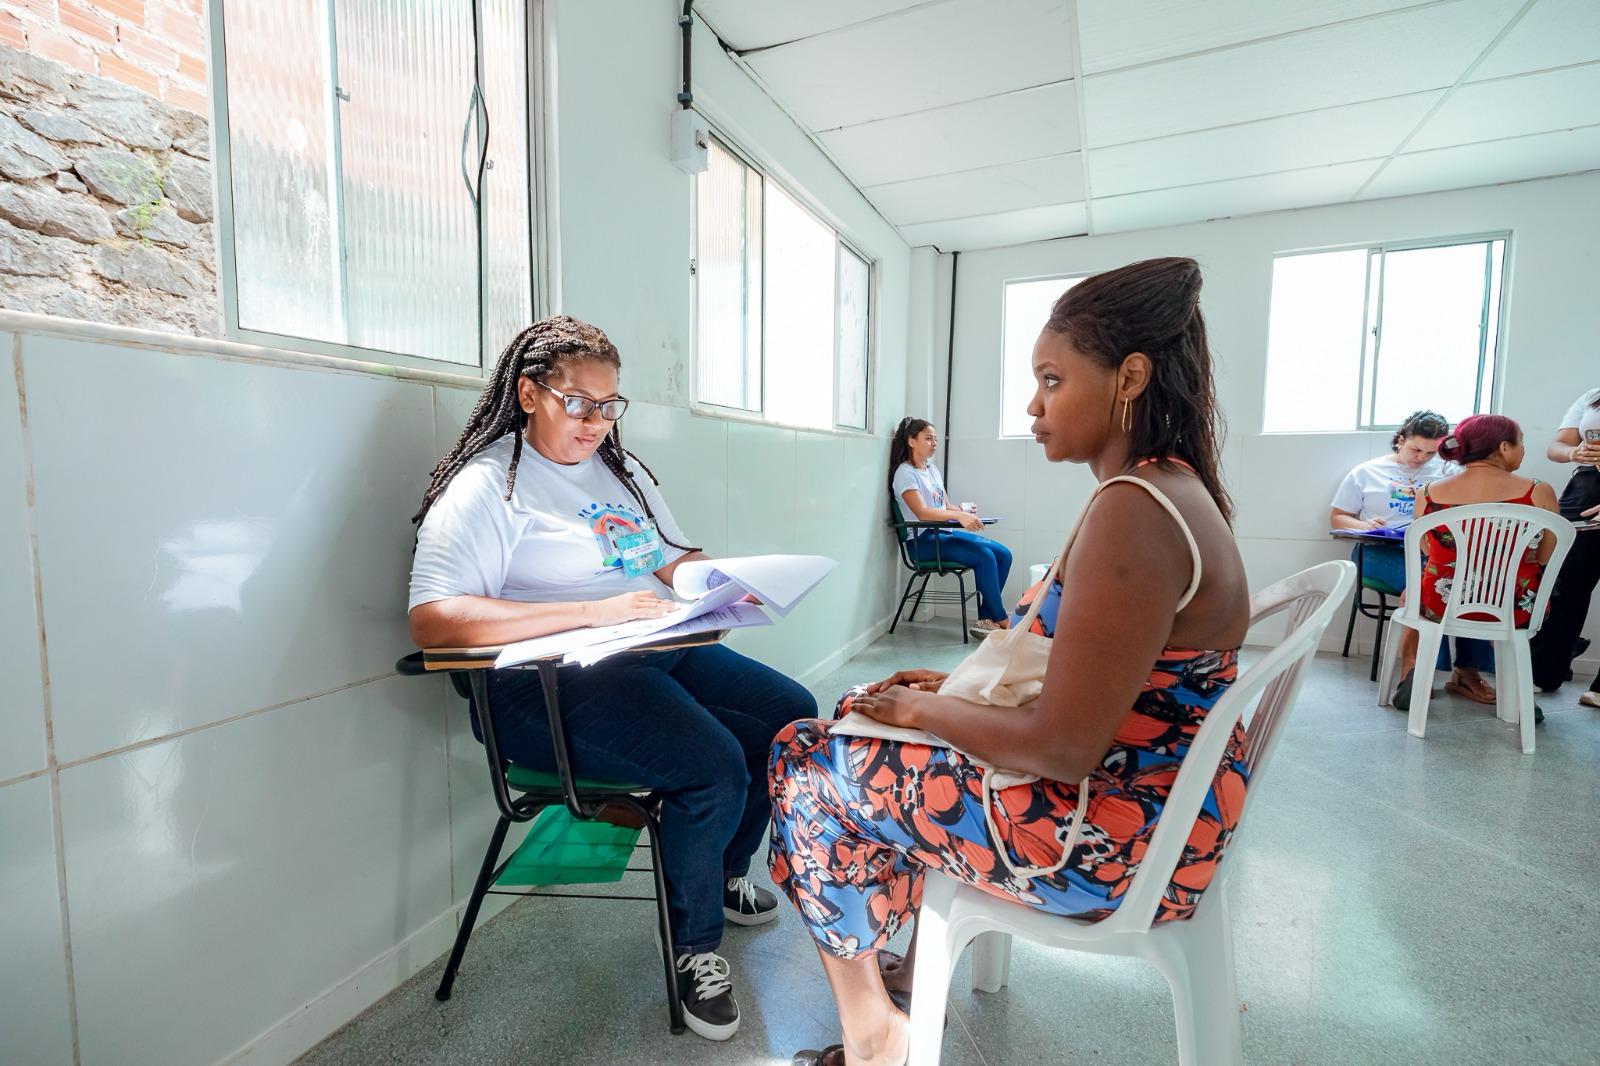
[341, 93]
[692, 267]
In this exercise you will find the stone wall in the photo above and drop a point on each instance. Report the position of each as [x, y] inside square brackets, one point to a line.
[105, 201]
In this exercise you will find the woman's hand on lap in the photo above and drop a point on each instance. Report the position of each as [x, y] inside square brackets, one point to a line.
[628, 607]
[895, 705]
[920, 680]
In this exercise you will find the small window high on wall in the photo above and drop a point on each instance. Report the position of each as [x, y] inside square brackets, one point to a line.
[782, 305]
[1360, 338]
[375, 167]
[1027, 308]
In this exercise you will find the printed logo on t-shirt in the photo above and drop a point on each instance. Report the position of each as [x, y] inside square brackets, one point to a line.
[1403, 498]
[608, 522]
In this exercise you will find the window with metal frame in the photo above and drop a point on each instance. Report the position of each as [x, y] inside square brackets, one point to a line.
[1358, 338]
[1027, 305]
[376, 175]
[782, 304]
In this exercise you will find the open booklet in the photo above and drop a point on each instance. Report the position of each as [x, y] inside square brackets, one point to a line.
[716, 595]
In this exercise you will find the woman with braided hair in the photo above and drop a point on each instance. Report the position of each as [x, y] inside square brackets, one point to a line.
[539, 521]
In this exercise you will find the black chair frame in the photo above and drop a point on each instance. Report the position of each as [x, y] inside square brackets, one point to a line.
[581, 802]
[905, 533]
[1379, 611]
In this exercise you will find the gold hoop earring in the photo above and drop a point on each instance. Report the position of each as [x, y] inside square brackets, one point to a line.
[1126, 421]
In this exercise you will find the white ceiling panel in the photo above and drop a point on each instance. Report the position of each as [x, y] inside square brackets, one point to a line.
[1119, 34]
[997, 129]
[1554, 34]
[1514, 107]
[1540, 156]
[985, 191]
[1244, 196]
[1335, 135]
[1406, 52]
[747, 24]
[995, 231]
[921, 58]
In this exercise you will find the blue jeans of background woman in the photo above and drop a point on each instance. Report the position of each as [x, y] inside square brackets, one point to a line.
[697, 723]
[990, 561]
[1386, 563]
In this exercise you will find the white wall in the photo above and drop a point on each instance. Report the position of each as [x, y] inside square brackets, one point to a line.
[1282, 483]
[226, 824]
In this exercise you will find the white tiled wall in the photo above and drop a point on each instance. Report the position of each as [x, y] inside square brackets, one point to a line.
[254, 808]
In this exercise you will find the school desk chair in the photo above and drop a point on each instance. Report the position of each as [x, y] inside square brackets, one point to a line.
[522, 793]
[928, 568]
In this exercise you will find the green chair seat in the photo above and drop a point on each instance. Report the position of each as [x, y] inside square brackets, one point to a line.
[943, 566]
[1379, 586]
[525, 780]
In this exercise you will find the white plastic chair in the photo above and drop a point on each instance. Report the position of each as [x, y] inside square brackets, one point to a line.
[1196, 954]
[1491, 540]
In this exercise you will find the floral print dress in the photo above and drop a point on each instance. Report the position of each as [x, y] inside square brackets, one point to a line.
[856, 820]
[1439, 569]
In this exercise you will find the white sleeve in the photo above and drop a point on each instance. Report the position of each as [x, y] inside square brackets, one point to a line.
[1349, 497]
[1575, 412]
[464, 545]
[666, 525]
[904, 480]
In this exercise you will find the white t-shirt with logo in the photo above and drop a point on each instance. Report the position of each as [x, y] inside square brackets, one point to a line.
[927, 482]
[552, 542]
[1383, 488]
[1583, 416]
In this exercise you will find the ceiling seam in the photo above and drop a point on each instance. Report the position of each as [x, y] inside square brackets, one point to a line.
[1075, 45]
[942, 107]
[1285, 35]
[969, 170]
[1448, 93]
[756, 49]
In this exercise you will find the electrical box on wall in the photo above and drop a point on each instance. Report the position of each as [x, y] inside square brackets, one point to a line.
[691, 141]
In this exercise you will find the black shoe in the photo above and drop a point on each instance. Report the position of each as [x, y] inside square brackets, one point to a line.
[1402, 692]
[708, 1004]
[1538, 714]
[745, 904]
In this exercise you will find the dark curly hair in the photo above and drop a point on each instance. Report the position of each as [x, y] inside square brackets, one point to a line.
[535, 353]
[1428, 424]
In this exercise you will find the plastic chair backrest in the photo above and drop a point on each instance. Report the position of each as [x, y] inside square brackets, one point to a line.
[1491, 540]
[1310, 597]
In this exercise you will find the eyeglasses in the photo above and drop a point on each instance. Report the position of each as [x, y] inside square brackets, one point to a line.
[583, 407]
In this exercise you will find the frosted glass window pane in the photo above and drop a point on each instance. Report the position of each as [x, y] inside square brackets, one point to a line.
[411, 240]
[1497, 255]
[1433, 300]
[285, 225]
[1314, 339]
[798, 362]
[854, 292]
[1027, 308]
[728, 283]
[508, 251]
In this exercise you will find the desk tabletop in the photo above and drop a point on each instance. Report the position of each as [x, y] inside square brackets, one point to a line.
[483, 658]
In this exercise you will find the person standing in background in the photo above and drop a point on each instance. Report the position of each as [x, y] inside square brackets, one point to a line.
[1558, 643]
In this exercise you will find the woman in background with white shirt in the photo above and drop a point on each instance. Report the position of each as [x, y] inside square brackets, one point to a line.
[538, 521]
[918, 494]
[1555, 646]
[1382, 493]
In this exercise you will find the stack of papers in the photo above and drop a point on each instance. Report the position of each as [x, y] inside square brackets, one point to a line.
[717, 594]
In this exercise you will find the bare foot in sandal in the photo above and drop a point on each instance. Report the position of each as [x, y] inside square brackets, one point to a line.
[1469, 684]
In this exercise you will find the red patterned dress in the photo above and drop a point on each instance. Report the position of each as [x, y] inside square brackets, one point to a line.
[1439, 569]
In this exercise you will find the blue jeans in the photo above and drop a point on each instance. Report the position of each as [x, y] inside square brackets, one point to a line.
[697, 723]
[990, 561]
[1386, 563]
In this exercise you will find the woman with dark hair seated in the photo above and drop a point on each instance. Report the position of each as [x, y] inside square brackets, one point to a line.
[918, 494]
[1382, 493]
[1489, 450]
[1145, 622]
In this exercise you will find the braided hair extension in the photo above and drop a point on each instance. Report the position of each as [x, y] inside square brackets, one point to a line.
[535, 353]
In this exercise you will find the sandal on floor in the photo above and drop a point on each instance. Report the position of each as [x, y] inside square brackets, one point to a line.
[1402, 692]
[1456, 688]
[832, 1055]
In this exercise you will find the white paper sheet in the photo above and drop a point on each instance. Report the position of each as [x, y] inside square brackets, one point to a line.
[525, 651]
[779, 581]
[733, 616]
